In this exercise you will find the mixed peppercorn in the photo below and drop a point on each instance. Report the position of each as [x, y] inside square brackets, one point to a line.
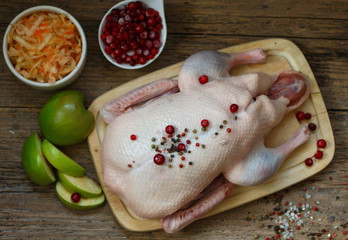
[172, 143]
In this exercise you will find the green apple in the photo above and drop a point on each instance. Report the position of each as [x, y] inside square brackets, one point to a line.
[64, 120]
[64, 196]
[86, 186]
[34, 163]
[61, 161]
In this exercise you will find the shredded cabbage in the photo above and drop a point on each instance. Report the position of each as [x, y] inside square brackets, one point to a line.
[44, 47]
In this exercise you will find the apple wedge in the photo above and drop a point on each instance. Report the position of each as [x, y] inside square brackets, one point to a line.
[34, 163]
[61, 161]
[86, 186]
[64, 196]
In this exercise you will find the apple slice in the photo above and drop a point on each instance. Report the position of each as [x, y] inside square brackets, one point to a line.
[61, 161]
[86, 186]
[64, 196]
[34, 163]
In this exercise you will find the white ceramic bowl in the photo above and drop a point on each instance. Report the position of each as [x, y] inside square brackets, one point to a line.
[67, 79]
[156, 5]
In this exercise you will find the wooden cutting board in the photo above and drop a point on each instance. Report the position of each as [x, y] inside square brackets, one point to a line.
[282, 55]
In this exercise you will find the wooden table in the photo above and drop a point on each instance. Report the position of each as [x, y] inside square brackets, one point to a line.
[318, 28]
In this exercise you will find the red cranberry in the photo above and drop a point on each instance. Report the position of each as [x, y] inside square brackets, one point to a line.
[128, 59]
[149, 12]
[127, 18]
[234, 108]
[123, 12]
[125, 47]
[125, 35]
[154, 51]
[75, 197]
[109, 39]
[146, 52]
[312, 126]
[132, 6]
[300, 115]
[139, 51]
[133, 137]
[158, 19]
[121, 21]
[131, 52]
[181, 147]
[114, 20]
[205, 123]
[119, 36]
[118, 51]
[159, 159]
[157, 43]
[148, 44]
[139, 29]
[159, 26]
[321, 143]
[318, 154]
[142, 42]
[143, 24]
[144, 34]
[108, 49]
[114, 12]
[309, 162]
[123, 7]
[170, 129]
[152, 34]
[132, 62]
[203, 79]
[141, 17]
[151, 21]
[308, 116]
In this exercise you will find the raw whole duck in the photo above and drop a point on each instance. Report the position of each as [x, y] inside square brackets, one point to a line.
[175, 149]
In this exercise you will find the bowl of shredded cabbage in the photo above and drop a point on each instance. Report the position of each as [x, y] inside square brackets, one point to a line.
[45, 47]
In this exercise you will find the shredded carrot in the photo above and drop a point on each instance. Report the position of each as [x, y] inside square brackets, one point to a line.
[44, 47]
[43, 24]
[69, 32]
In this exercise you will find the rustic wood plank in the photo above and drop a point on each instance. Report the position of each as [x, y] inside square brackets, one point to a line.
[327, 59]
[196, 9]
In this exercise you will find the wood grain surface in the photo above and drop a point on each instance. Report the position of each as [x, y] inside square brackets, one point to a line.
[318, 28]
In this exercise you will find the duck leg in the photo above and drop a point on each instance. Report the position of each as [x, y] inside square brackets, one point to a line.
[146, 93]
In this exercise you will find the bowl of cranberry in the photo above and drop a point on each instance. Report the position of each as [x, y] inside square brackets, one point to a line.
[132, 34]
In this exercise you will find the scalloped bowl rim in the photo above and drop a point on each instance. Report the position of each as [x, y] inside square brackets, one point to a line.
[163, 37]
[67, 79]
